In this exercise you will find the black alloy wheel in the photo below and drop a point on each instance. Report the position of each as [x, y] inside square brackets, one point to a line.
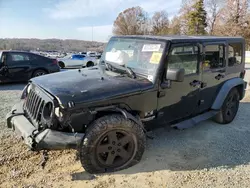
[229, 108]
[112, 143]
[115, 148]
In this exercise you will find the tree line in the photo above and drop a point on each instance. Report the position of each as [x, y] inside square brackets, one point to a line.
[50, 45]
[195, 17]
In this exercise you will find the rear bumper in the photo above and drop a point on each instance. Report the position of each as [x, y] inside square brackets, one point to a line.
[40, 140]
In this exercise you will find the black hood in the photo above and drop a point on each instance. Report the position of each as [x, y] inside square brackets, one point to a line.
[89, 85]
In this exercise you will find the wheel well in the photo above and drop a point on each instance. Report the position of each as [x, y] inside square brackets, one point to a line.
[89, 62]
[40, 69]
[105, 113]
[240, 89]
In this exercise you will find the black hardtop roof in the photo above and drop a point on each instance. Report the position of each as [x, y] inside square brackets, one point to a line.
[185, 38]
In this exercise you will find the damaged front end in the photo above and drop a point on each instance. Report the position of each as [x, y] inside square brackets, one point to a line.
[34, 120]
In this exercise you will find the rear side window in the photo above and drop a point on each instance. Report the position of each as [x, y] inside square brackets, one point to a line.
[184, 57]
[214, 57]
[235, 54]
[18, 57]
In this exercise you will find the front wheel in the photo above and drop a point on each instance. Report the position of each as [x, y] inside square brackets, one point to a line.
[229, 108]
[112, 143]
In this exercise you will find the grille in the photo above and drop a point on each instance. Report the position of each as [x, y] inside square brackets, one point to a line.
[34, 106]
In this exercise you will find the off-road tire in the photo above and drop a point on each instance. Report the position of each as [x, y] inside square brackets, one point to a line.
[224, 117]
[90, 64]
[39, 72]
[101, 127]
[61, 64]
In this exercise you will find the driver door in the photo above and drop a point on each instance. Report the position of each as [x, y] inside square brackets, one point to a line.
[177, 100]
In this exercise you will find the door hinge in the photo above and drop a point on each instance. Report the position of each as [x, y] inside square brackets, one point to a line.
[161, 94]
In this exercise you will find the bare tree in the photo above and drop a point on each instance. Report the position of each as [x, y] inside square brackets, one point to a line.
[132, 21]
[175, 26]
[160, 23]
[213, 8]
[233, 19]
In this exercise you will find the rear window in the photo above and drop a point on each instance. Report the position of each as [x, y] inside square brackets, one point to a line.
[235, 54]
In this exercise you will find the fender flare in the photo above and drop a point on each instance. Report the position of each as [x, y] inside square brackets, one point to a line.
[124, 112]
[225, 89]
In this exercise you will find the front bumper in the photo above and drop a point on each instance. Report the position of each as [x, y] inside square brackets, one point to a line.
[40, 140]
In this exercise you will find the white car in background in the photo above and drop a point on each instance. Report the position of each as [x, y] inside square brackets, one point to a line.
[76, 61]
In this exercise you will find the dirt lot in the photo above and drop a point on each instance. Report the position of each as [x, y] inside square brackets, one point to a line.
[208, 155]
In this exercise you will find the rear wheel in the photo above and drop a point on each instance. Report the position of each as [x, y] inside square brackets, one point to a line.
[112, 143]
[229, 108]
[39, 72]
[90, 64]
[61, 64]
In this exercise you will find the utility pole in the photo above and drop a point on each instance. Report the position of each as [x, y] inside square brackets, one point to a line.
[92, 34]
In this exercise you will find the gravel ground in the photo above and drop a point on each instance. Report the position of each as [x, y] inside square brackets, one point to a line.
[208, 155]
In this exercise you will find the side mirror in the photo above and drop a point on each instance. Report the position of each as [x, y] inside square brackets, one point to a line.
[175, 75]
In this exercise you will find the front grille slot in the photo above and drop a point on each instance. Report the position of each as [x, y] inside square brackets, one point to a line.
[34, 106]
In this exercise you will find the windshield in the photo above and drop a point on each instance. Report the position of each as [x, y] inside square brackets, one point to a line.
[67, 56]
[142, 56]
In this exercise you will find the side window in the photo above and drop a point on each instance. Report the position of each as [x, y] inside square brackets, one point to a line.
[15, 57]
[235, 54]
[33, 57]
[184, 57]
[214, 57]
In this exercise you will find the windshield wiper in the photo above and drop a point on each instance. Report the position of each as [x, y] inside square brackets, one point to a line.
[121, 69]
[130, 72]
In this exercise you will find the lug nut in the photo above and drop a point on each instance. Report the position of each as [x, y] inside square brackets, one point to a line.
[119, 144]
[113, 142]
[118, 150]
[110, 148]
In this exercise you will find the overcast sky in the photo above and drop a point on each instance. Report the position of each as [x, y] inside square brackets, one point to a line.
[70, 19]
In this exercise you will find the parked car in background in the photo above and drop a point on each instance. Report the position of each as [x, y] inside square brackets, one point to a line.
[76, 61]
[21, 66]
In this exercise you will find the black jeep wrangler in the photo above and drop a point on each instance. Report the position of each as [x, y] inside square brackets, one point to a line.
[140, 83]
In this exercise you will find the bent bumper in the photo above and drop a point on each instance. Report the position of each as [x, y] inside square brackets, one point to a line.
[40, 140]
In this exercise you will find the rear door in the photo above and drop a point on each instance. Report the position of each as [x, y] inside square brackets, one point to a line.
[213, 74]
[77, 60]
[18, 65]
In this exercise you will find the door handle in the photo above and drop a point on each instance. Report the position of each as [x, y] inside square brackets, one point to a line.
[195, 83]
[219, 76]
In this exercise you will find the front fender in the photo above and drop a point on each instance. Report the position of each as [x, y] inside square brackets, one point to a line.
[225, 89]
[124, 112]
